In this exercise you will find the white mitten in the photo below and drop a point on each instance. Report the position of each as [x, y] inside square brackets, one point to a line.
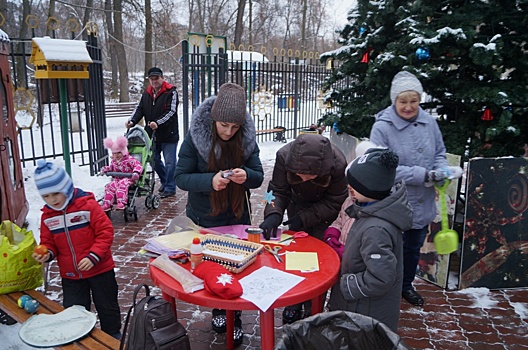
[454, 172]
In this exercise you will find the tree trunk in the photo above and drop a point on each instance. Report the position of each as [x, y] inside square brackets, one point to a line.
[51, 13]
[24, 33]
[120, 50]
[111, 49]
[239, 27]
[148, 41]
[303, 25]
[87, 15]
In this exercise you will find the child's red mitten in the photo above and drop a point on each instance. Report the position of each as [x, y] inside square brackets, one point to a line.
[218, 280]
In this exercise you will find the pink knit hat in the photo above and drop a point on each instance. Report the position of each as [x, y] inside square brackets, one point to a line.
[120, 145]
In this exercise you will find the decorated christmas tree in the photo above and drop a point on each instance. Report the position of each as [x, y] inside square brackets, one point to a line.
[471, 57]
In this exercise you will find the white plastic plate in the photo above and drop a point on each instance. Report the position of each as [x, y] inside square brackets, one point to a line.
[53, 330]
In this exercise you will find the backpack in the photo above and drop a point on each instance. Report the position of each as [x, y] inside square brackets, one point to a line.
[154, 325]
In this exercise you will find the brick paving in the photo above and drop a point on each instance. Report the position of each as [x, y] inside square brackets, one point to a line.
[451, 320]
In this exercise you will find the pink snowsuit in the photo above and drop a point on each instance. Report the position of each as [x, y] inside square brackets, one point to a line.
[118, 187]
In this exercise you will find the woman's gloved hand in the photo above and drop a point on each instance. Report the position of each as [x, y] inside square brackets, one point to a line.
[295, 223]
[270, 225]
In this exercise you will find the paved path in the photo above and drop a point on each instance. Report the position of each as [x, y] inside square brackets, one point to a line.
[467, 319]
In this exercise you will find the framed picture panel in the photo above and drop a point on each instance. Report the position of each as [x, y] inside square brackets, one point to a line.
[495, 240]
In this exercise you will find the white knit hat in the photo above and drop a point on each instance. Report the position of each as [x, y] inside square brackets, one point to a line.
[404, 81]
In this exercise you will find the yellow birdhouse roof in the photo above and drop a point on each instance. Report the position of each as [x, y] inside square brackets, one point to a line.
[60, 58]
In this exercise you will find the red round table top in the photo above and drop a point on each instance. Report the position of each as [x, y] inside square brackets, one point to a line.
[314, 284]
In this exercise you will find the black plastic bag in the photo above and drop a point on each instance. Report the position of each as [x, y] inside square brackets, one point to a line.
[339, 330]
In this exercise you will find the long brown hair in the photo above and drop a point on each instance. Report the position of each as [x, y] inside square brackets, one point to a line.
[227, 155]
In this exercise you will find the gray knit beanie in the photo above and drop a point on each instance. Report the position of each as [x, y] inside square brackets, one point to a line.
[404, 81]
[373, 173]
[230, 104]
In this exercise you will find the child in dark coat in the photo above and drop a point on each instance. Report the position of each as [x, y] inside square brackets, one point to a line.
[372, 265]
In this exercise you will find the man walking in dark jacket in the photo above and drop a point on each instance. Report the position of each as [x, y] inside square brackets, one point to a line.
[159, 107]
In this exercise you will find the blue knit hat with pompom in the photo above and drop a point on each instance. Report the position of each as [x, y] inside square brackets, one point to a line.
[50, 178]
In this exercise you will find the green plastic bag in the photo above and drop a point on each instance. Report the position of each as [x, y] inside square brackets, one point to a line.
[18, 270]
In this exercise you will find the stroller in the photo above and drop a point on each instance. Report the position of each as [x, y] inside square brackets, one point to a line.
[140, 147]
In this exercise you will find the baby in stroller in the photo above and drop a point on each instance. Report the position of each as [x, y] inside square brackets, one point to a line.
[129, 169]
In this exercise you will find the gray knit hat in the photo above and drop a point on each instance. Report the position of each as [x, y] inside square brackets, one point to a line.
[230, 104]
[404, 81]
[373, 173]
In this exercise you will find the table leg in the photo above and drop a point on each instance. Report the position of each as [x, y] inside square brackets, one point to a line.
[267, 329]
[230, 329]
[317, 304]
[172, 301]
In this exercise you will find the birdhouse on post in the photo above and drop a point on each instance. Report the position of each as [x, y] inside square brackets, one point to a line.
[60, 58]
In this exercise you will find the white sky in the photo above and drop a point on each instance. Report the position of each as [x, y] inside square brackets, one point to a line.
[340, 11]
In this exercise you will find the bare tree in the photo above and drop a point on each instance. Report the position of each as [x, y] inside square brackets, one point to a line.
[148, 40]
[120, 51]
[88, 11]
[239, 27]
[23, 33]
[51, 13]
[111, 44]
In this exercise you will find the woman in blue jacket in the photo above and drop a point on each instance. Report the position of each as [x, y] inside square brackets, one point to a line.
[405, 128]
[218, 163]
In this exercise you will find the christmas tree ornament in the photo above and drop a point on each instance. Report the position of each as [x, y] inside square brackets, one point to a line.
[422, 54]
[362, 30]
[487, 116]
[365, 58]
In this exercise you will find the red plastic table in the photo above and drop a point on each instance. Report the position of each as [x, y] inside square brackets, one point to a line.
[311, 288]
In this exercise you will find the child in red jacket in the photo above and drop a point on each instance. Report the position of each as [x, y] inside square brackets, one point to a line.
[79, 235]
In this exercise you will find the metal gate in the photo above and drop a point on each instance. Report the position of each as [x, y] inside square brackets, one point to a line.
[38, 112]
[283, 90]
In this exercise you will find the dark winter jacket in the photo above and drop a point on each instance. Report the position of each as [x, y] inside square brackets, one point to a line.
[420, 148]
[192, 174]
[163, 109]
[372, 266]
[82, 230]
[316, 202]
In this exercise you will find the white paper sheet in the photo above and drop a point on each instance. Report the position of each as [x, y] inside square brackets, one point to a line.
[265, 285]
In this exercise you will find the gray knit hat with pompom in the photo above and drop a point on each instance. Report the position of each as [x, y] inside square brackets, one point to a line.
[404, 81]
[373, 173]
[230, 104]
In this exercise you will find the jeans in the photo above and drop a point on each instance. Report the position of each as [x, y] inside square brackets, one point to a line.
[166, 171]
[103, 290]
[413, 240]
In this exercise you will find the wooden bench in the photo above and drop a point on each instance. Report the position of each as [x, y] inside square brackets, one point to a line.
[96, 339]
[120, 109]
[280, 133]
[268, 131]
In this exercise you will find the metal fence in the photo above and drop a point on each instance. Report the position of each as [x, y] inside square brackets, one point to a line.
[283, 90]
[38, 112]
